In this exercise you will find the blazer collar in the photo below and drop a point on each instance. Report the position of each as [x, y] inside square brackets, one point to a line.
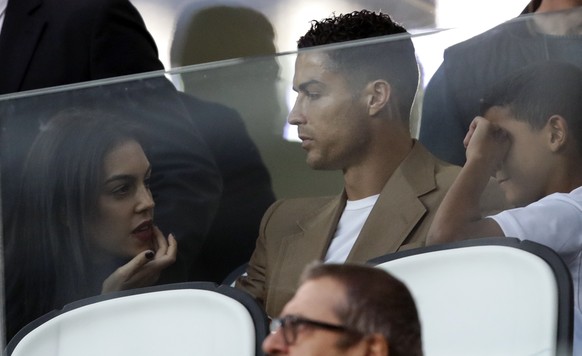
[398, 200]
[318, 230]
[299, 249]
[23, 25]
[311, 243]
[399, 208]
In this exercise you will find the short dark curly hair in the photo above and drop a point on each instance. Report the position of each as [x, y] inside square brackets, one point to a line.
[392, 59]
[347, 27]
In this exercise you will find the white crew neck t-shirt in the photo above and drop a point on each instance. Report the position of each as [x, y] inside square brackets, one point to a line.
[348, 229]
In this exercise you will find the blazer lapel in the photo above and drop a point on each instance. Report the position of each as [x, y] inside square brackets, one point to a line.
[398, 209]
[300, 249]
[319, 229]
[22, 29]
[312, 243]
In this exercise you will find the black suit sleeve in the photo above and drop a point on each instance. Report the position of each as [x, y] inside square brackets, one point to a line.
[247, 191]
[121, 44]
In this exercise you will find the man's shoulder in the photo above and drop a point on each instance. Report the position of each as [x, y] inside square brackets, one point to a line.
[504, 34]
[72, 6]
[94, 4]
[444, 168]
[425, 171]
[88, 9]
[297, 208]
[291, 216]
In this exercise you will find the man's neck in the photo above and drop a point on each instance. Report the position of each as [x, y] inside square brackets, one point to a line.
[369, 178]
[559, 17]
[557, 5]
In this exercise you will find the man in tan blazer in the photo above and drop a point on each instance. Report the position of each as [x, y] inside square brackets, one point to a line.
[352, 113]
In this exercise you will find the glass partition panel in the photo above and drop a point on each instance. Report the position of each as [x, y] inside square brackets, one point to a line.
[76, 198]
[78, 162]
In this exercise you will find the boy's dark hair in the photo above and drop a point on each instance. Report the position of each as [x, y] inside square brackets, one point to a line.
[393, 60]
[536, 92]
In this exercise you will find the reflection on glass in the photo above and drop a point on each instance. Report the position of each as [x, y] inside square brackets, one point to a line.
[452, 97]
[227, 129]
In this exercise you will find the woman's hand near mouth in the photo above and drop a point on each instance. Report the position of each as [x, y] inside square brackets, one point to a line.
[145, 268]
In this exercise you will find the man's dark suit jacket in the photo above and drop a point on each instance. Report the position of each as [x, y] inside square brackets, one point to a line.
[46, 43]
[247, 191]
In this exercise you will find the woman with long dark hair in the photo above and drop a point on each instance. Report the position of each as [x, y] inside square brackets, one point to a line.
[84, 224]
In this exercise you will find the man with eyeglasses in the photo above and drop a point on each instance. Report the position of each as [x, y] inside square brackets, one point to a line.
[347, 309]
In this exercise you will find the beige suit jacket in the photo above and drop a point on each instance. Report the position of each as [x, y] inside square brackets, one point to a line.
[295, 232]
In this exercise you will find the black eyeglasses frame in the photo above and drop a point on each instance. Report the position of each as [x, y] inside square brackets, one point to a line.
[292, 322]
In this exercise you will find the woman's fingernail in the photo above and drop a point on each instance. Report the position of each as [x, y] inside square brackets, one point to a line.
[150, 254]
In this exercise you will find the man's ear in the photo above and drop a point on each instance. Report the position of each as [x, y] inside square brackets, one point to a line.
[558, 132]
[377, 345]
[378, 94]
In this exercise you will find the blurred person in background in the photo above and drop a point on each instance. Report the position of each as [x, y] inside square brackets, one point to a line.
[47, 43]
[548, 30]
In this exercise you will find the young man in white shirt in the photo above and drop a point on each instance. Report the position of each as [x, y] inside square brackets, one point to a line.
[530, 138]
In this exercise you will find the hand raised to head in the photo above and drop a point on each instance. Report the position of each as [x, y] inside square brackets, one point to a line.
[145, 268]
[486, 142]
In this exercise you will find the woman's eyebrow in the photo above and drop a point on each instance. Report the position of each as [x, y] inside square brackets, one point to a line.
[117, 177]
